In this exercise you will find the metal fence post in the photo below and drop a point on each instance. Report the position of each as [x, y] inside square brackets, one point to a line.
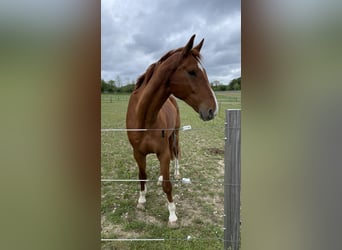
[232, 179]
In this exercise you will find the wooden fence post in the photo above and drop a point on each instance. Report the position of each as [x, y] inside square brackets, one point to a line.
[232, 179]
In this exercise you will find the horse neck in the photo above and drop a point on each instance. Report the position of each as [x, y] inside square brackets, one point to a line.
[152, 98]
[155, 92]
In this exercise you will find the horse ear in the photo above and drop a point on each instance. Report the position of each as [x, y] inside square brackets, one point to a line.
[199, 46]
[189, 45]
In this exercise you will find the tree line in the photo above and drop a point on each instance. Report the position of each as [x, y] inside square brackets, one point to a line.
[234, 84]
[113, 86]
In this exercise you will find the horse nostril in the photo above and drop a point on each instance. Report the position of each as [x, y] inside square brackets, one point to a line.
[211, 114]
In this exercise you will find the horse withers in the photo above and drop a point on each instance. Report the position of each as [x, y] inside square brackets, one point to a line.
[153, 119]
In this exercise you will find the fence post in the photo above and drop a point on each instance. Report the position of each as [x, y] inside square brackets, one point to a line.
[232, 179]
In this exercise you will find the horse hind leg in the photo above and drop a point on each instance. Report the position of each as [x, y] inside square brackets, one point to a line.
[141, 161]
[176, 173]
[174, 152]
[174, 149]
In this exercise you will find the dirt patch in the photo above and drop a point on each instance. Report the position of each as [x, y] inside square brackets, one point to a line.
[216, 151]
[145, 217]
[220, 167]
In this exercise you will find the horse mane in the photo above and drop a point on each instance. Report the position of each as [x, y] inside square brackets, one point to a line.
[147, 75]
[149, 72]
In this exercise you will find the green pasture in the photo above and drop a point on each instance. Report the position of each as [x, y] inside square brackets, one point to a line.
[199, 205]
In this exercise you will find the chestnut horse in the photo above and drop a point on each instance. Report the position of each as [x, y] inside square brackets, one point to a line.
[153, 119]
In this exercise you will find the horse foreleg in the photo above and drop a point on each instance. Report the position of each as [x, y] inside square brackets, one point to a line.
[167, 187]
[141, 161]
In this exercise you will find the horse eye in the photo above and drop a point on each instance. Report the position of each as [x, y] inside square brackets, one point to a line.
[192, 73]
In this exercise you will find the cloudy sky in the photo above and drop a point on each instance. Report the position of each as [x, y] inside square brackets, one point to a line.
[135, 34]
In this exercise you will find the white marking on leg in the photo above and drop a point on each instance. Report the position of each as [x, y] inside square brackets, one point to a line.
[177, 175]
[142, 196]
[172, 211]
[160, 180]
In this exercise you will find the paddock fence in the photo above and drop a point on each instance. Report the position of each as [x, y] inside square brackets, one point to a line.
[110, 98]
[231, 183]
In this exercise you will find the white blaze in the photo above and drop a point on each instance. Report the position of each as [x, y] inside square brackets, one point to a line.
[217, 107]
[202, 69]
[200, 66]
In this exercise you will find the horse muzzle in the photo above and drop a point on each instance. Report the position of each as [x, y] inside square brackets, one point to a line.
[207, 115]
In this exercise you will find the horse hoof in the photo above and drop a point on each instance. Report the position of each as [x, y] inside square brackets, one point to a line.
[141, 206]
[173, 224]
[178, 177]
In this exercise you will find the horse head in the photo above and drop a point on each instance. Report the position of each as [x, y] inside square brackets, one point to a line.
[189, 81]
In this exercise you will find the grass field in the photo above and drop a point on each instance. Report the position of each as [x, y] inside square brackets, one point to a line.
[199, 204]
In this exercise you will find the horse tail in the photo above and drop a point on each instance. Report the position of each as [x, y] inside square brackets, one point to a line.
[174, 145]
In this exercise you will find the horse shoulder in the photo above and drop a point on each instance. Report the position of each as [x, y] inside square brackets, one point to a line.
[173, 101]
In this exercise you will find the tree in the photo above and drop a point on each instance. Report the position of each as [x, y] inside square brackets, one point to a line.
[103, 85]
[128, 88]
[215, 83]
[118, 81]
[235, 84]
[108, 86]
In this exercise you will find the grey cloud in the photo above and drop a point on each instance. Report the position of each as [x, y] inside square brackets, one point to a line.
[136, 34]
[145, 43]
